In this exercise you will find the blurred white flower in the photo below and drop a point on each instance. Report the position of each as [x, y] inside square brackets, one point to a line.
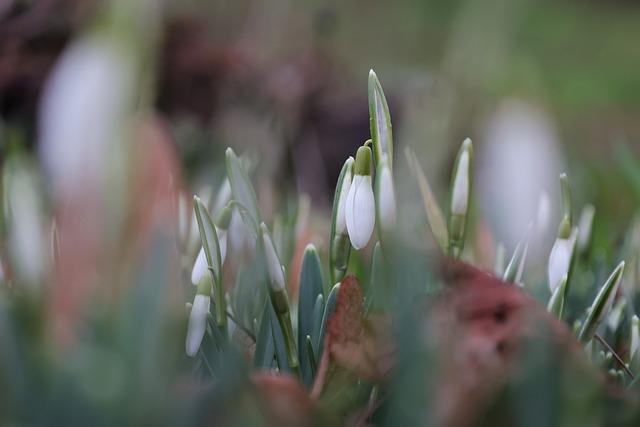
[197, 323]
[460, 192]
[518, 160]
[360, 211]
[341, 221]
[26, 232]
[560, 259]
[543, 218]
[200, 265]
[84, 105]
[386, 198]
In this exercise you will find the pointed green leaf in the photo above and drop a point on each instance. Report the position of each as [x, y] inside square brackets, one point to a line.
[556, 302]
[329, 309]
[435, 218]
[280, 344]
[601, 304]
[313, 363]
[243, 192]
[211, 247]
[265, 350]
[339, 246]
[311, 285]
[380, 121]
[515, 268]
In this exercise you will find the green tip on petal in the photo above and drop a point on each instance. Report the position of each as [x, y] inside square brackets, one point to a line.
[363, 161]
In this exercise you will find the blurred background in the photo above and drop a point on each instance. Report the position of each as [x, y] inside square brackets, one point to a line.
[288, 81]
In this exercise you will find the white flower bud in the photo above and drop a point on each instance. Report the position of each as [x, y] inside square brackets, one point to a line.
[386, 198]
[560, 259]
[360, 211]
[275, 269]
[200, 265]
[585, 225]
[460, 194]
[197, 323]
[635, 340]
[341, 222]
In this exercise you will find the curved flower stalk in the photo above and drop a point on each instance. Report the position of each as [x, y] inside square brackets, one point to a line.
[340, 246]
[198, 317]
[360, 205]
[461, 186]
[278, 295]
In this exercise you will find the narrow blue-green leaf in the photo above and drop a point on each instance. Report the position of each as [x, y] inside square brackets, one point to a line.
[339, 246]
[311, 285]
[601, 304]
[380, 121]
[280, 345]
[243, 192]
[265, 351]
[329, 309]
[435, 217]
[556, 302]
[211, 246]
[313, 363]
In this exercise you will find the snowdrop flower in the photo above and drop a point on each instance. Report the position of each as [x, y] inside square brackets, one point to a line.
[341, 221]
[198, 318]
[200, 265]
[634, 356]
[386, 197]
[560, 259]
[274, 267]
[460, 193]
[360, 207]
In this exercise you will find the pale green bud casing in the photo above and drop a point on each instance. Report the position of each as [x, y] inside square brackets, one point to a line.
[460, 192]
[274, 267]
[386, 197]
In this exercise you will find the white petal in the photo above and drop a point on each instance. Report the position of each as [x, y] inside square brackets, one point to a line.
[635, 339]
[544, 211]
[460, 195]
[197, 323]
[387, 199]
[560, 260]
[199, 267]
[360, 211]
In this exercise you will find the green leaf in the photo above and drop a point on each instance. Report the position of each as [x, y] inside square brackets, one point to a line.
[375, 291]
[380, 121]
[265, 350]
[243, 192]
[209, 238]
[329, 309]
[313, 363]
[515, 268]
[280, 344]
[601, 304]
[556, 302]
[435, 218]
[311, 285]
